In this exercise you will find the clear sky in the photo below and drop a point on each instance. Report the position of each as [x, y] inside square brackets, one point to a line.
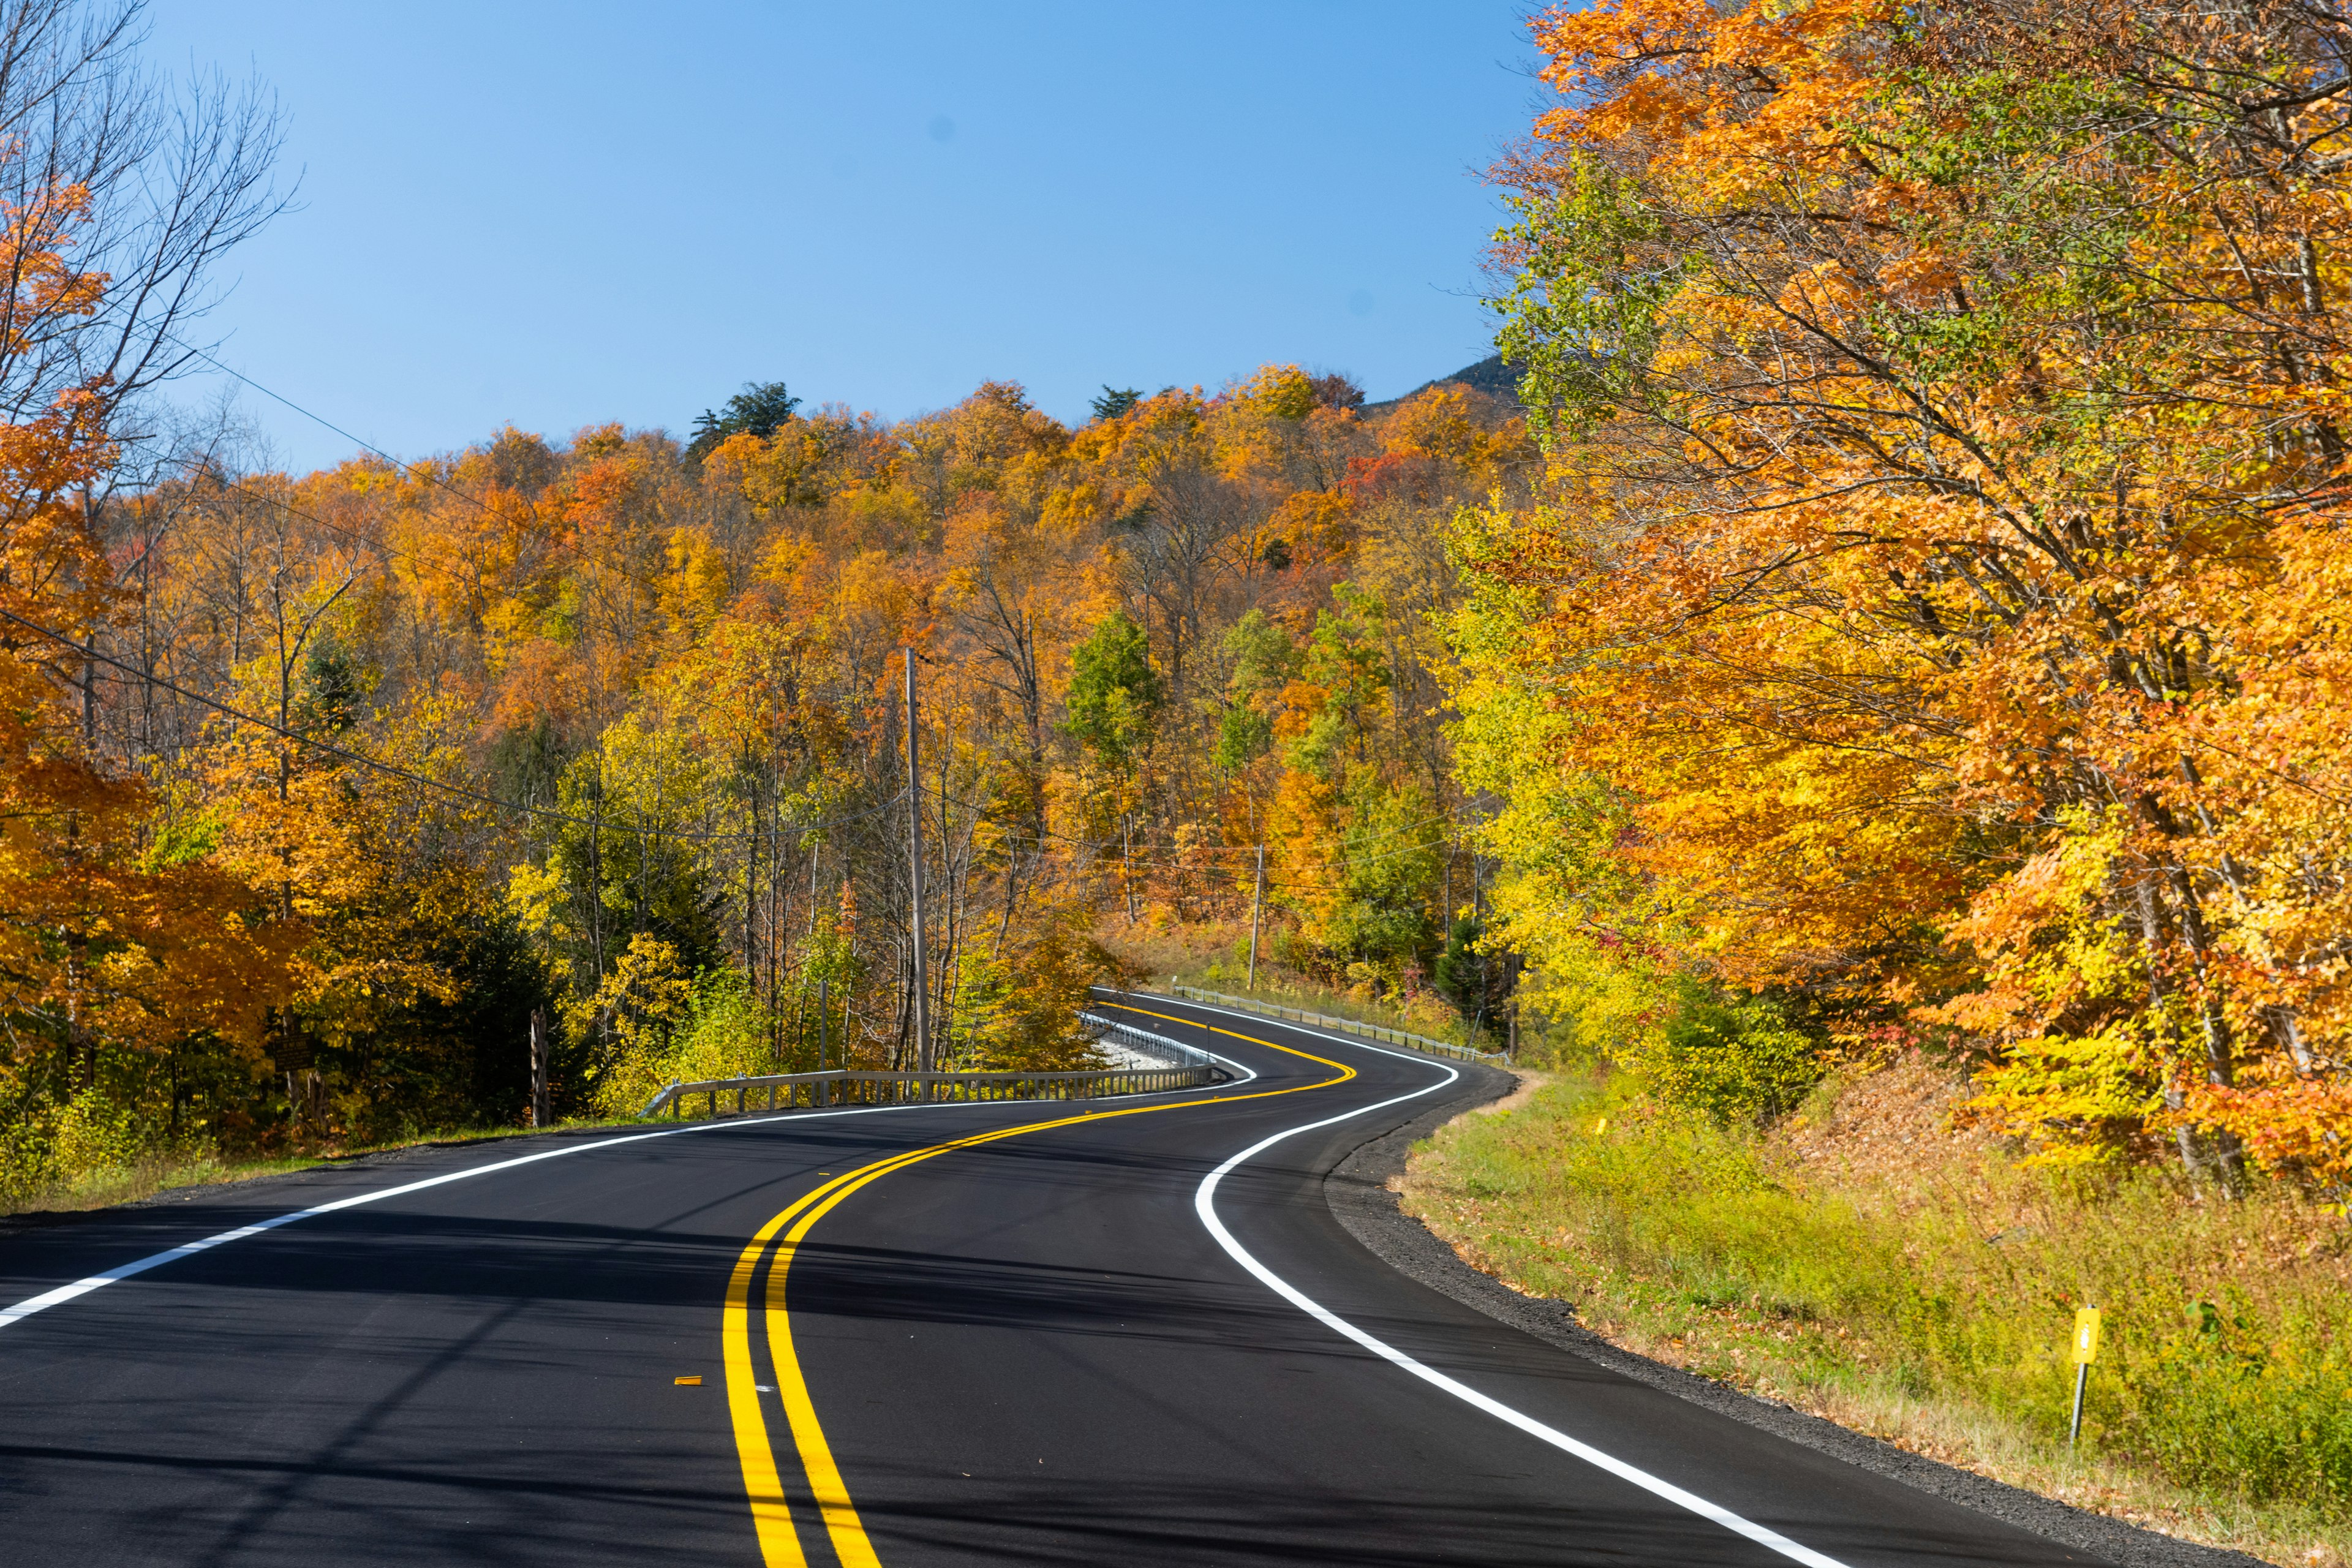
[561, 214]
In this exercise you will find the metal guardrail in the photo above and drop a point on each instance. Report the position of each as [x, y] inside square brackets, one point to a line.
[1143, 1042]
[1183, 1066]
[1347, 1025]
[797, 1090]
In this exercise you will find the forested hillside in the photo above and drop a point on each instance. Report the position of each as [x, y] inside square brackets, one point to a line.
[611, 726]
[1899, 611]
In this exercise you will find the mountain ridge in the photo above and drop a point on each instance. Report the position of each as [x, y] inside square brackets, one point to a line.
[1489, 376]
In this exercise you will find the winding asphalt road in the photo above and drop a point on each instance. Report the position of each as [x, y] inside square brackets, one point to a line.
[1121, 1338]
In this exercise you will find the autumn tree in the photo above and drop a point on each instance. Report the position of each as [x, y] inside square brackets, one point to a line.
[1941, 422]
[118, 203]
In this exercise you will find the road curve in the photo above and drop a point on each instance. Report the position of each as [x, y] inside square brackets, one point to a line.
[1113, 1332]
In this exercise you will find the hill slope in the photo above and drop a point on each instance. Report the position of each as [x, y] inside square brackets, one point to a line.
[1489, 376]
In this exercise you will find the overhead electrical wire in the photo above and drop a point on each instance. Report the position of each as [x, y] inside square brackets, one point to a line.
[422, 470]
[427, 474]
[1341, 864]
[941, 793]
[393, 770]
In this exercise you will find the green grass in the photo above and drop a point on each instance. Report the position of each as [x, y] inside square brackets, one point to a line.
[159, 1173]
[1935, 1280]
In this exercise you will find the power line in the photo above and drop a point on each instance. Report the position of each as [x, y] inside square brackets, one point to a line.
[292, 511]
[1342, 863]
[391, 770]
[941, 793]
[429, 476]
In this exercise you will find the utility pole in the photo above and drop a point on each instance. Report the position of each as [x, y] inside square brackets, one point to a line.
[1478, 1018]
[539, 1066]
[88, 660]
[823, 1007]
[914, 882]
[1257, 901]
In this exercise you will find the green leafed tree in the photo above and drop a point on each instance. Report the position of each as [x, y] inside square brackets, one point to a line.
[1114, 694]
[1116, 401]
[760, 409]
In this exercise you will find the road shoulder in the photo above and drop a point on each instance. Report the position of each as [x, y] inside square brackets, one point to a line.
[1357, 1193]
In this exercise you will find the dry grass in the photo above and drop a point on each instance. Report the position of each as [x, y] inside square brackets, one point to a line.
[1530, 1082]
[1154, 946]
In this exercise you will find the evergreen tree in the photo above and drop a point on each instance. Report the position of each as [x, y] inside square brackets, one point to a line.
[760, 409]
[1116, 401]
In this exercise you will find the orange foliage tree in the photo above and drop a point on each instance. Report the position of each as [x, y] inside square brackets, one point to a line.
[1936, 580]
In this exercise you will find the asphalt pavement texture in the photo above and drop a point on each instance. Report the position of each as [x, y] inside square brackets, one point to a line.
[1031, 1352]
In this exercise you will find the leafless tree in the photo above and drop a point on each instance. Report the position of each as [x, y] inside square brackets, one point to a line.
[154, 180]
[1183, 552]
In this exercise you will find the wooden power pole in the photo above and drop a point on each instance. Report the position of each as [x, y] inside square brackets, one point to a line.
[539, 1117]
[1257, 901]
[922, 997]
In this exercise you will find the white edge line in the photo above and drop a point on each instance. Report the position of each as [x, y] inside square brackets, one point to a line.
[1205, 1205]
[83, 1286]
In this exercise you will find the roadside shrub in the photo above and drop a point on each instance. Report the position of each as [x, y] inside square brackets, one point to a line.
[1734, 1057]
[711, 1029]
[59, 1139]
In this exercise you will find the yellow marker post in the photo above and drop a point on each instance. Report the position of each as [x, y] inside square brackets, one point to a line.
[2087, 1351]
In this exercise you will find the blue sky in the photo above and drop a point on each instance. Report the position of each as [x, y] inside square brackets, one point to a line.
[562, 214]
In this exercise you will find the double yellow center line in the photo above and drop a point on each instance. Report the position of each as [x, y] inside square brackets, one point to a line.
[779, 1545]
